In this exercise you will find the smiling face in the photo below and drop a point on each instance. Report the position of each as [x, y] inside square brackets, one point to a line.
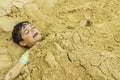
[30, 35]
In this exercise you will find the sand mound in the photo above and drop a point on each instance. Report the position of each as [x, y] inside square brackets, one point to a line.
[90, 53]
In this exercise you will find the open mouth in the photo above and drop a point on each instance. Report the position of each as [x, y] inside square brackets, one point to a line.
[35, 35]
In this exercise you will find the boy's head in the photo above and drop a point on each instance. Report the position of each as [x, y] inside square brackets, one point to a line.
[25, 34]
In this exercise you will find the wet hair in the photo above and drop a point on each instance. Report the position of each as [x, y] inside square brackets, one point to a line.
[16, 35]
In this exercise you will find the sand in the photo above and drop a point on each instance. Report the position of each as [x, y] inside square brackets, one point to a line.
[68, 50]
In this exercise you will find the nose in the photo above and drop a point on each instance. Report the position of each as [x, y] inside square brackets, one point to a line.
[32, 30]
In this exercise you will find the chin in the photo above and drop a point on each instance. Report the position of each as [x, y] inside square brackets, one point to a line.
[38, 38]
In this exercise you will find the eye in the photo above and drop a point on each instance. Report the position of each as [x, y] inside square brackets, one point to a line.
[27, 31]
[33, 27]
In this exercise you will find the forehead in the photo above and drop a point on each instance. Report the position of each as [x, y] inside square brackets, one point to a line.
[24, 27]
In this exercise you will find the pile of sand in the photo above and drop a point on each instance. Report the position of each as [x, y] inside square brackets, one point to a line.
[69, 51]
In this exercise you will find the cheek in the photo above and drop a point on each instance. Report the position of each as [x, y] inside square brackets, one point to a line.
[28, 37]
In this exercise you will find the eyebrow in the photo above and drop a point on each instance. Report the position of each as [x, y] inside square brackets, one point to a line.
[25, 30]
[24, 27]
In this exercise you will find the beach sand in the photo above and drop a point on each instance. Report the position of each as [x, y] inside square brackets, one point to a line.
[68, 51]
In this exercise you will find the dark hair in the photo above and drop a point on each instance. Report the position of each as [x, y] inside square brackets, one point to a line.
[16, 35]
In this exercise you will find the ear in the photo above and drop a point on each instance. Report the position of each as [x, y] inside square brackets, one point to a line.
[23, 43]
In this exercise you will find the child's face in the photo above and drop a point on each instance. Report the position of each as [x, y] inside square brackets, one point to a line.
[30, 34]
